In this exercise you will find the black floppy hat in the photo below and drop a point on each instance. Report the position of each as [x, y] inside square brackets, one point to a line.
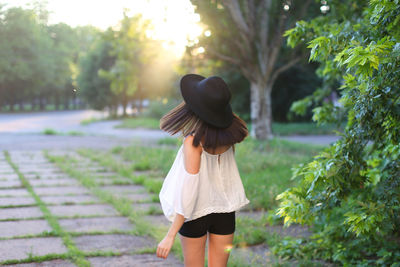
[208, 98]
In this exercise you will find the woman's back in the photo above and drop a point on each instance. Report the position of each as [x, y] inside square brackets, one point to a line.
[218, 186]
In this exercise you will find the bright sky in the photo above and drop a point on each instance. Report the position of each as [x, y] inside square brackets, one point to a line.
[174, 20]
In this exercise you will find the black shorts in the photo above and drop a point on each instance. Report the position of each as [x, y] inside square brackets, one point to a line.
[215, 223]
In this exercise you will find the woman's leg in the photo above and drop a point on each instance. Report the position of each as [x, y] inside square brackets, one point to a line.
[193, 250]
[219, 247]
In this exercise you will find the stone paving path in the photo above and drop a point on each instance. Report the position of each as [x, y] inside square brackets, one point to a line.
[94, 226]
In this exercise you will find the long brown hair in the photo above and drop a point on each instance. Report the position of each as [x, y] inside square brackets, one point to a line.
[182, 119]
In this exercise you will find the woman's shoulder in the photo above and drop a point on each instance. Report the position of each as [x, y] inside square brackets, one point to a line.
[188, 146]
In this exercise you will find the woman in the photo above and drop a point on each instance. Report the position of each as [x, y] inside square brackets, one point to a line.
[203, 188]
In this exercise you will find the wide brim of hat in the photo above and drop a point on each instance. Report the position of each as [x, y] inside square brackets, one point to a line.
[192, 99]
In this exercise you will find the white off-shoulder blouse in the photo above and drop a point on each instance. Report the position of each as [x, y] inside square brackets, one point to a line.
[217, 187]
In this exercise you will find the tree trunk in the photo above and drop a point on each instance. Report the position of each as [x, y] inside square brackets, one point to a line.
[261, 110]
[57, 100]
[21, 105]
[124, 103]
[66, 102]
[12, 102]
[41, 102]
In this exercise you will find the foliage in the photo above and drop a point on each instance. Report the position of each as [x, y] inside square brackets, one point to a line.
[248, 35]
[93, 88]
[37, 61]
[350, 192]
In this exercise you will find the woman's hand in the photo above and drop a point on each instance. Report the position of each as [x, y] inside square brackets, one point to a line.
[165, 246]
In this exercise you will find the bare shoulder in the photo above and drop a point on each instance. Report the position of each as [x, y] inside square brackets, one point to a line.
[191, 155]
[189, 148]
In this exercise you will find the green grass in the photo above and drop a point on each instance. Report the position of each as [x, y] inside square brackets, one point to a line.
[139, 122]
[304, 128]
[265, 168]
[75, 133]
[278, 128]
[90, 120]
[49, 131]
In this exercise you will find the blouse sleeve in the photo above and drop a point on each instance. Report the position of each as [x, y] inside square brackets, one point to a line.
[179, 190]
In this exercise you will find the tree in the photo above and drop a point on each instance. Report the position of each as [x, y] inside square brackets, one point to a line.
[350, 192]
[93, 88]
[249, 35]
[129, 47]
[20, 54]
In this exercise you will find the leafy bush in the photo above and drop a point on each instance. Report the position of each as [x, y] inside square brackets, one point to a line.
[350, 192]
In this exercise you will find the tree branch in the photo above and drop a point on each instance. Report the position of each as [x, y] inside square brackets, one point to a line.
[236, 13]
[223, 57]
[284, 67]
[264, 24]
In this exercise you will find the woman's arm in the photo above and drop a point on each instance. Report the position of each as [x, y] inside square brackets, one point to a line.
[166, 244]
[192, 165]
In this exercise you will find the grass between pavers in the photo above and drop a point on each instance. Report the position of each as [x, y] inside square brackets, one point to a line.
[21, 219]
[17, 206]
[42, 234]
[121, 204]
[107, 159]
[74, 253]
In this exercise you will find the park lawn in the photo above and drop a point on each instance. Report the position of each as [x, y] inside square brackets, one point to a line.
[139, 122]
[278, 128]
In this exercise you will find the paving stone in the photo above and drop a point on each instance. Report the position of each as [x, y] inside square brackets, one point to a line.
[123, 189]
[115, 242]
[28, 165]
[96, 224]
[9, 177]
[293, 230]
[20, 213]
[139, 197]
[83, 210]
[113, 181]
[4, 171]
[61, 190]
[154, 207]
[40, 172]
[16, 201]
[54, 182]
[250, 214]
[19, 249]
[25, 227]
[94, 169]
[148, 260]
[13, 192]
[31, 176]
[158, 219]
[10, 183]
[106, 174]
[53, 263]
[259, 255]
[68, 200]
